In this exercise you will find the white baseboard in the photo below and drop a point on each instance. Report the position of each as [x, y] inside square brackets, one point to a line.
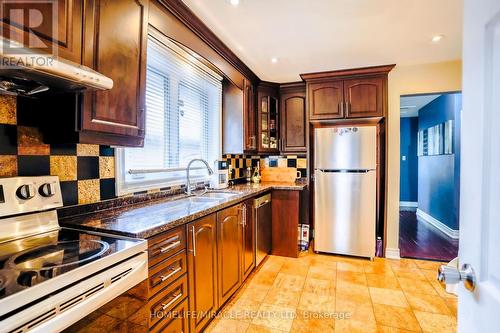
[438, 224]
[409, 204]
[392, 253]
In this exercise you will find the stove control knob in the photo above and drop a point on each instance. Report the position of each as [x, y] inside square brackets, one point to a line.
[26, 192]
[47, 190]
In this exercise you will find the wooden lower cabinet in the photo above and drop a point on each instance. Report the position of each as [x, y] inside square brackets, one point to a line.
[176, 322]
[229, 248]
[194, 269]
[248, 240]
[202, 271]
[286, 218]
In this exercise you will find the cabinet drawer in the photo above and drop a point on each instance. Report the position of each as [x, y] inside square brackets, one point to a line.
[164, 273]
[164, 245]
[166, 300]
[175, 322]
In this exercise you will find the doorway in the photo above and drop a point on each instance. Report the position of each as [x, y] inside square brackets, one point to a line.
[430, 176]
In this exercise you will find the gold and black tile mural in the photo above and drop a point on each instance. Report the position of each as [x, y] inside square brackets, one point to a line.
[86, 172]
[239, 163]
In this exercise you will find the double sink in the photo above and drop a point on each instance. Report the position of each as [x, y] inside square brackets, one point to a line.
[203, 201]
[211, 197]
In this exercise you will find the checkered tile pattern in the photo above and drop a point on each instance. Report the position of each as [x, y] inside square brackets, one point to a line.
[240, 162]
[86, 171]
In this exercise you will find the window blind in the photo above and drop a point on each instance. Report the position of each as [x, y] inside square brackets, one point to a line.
[183, 112]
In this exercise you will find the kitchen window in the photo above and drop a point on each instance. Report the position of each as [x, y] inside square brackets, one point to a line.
[183, 121]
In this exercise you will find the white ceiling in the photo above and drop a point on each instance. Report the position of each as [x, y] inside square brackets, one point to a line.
[318, 35]
[410, 105]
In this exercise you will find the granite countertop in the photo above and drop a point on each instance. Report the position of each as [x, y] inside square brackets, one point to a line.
[149, 218]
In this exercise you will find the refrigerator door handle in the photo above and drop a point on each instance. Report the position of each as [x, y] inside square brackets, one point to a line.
[345, 171]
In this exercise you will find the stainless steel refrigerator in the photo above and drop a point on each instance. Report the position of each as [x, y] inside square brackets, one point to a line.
[345, 190]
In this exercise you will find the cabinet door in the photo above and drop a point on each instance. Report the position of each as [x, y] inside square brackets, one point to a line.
[65, 42]
[115, 45]
[176, 325]
[249, 117]
[202, 270]
[248, 238]
[293, 122]
[325, 100]
[268, 119]
[229, 230]
[286, 219]
[364, 97]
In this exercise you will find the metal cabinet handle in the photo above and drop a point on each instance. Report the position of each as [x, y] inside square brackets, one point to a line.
[252, 142]
[243, 210]
[169, 275]
[165, 306]
[244, 215]
[341, 106]
[170, 246]
[193, 238]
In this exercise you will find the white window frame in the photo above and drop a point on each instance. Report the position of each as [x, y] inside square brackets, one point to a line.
[121, 186]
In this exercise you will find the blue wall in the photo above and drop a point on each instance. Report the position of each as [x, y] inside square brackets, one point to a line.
[409, 168]
[439, 176]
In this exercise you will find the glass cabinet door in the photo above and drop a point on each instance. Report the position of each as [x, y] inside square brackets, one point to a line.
[273, 123]
[269, 123]
[264, 125]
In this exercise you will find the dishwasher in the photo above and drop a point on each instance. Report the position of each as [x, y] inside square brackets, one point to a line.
[263, 220]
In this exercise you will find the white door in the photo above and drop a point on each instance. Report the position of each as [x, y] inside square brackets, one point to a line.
[479, 311]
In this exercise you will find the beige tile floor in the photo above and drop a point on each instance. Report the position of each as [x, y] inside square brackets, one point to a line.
[324, 293]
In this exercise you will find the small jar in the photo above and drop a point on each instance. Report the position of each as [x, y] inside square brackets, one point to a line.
[248, 174]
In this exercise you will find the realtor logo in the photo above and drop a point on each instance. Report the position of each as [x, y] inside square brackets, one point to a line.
[29, 25]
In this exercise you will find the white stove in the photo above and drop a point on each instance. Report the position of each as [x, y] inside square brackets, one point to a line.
[50, 277]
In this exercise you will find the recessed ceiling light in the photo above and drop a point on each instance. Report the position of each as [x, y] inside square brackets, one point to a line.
[437, 38]
[235, 2]
[274, 60]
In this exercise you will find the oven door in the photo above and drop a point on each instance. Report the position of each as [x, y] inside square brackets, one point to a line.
[67, 306]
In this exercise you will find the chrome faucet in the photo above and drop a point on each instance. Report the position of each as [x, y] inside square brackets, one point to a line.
[188, 181]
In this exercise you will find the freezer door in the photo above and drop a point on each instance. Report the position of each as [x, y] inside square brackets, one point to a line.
[345, 213]
[344, 148]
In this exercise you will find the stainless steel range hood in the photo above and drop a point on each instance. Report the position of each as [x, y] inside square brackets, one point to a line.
[24, 72]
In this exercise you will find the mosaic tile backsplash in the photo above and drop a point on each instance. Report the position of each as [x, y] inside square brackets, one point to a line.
[86, 172]
[239, 163]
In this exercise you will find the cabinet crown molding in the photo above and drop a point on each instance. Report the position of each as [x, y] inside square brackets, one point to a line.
[348, 72]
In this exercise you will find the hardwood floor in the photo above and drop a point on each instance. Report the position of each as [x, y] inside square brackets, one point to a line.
[419, 240]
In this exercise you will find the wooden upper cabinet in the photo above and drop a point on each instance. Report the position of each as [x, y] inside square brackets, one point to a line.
[202, 268]
[364, 97]
[268, 119]
[293, 119]
[115, 45]
[62, 38]
[249, 117]
[326, 100]
[347, 93]
[229, 248]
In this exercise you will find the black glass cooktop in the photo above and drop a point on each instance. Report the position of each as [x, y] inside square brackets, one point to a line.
[30, 261]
